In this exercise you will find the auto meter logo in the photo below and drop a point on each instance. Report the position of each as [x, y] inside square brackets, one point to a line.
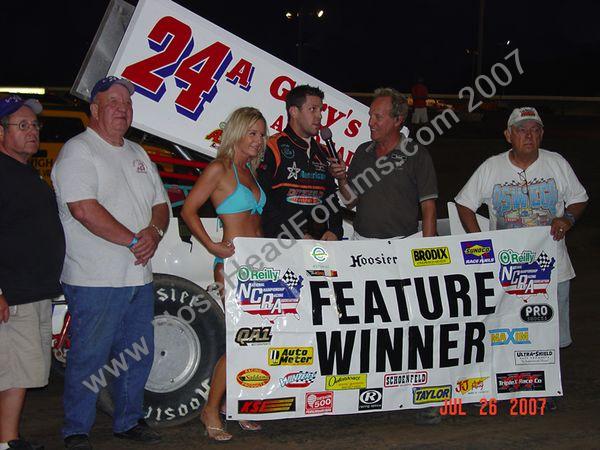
[319, 254]
[272, 405]
[253, 378]
[505, 336]
[434, 256]
[343, 382]
[268, 294]
[470, 385]
[431, 394]
[318, 402]
[478, 252]
[290, 356]
[300, 379]
[537, 313]
[520, 381]
[369, 399]
[405, 379]
[524, 275]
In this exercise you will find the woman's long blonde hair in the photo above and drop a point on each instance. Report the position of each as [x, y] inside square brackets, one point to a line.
[235, 129]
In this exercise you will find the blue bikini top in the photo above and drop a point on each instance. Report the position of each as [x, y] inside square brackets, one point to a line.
[242, 199]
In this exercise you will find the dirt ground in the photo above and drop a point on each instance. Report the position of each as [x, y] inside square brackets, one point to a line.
[573, 425]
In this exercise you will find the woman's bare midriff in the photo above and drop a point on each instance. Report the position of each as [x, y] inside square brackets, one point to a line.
[242, 224]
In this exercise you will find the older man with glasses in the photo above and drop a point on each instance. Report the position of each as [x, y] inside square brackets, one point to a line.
[32, 250]
[528, 186]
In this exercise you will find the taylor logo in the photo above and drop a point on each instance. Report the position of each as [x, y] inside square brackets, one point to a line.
[431, 394]
[343, 382]
[524, 275]
[267, 294]
[253, 336]
[139, 166]
[505, 336]
[319, 254]
[520, 381]
[478, 252]
[470, 385]
[434, 256]
[290, 356]
[272, 405]
[253, 378]
[319, 402]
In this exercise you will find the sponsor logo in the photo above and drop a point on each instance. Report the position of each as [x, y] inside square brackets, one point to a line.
[312, 175]
[319, 254]
[434, 256]
[300, 379]
[215, 136]
[287, 151]
[405, 379]
[322, 273]
[267, 293]
[253, 378]
[318, 402]
[293, 171]
[524, 275]
[537, 313]
[343, 382]
[505, 336]
[360, 260]
[139, 165]
[253, 336]
[272, 405]
[371, 398]
[290, 356]
[470, 385]
[524, 357]
[520, 381]
[478, 252]
[431, 394]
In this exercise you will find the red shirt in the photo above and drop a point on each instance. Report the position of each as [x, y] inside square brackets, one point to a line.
[419, 90]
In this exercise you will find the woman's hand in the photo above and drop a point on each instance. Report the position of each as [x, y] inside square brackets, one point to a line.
[223, 249]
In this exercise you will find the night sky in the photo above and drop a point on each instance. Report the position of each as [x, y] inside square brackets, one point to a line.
[356, 47]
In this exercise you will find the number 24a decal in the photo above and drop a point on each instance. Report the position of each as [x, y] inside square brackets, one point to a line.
[197, 75]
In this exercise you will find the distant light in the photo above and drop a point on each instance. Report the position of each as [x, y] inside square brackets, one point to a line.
[508, 42]
[289, 15]
[23, 90]
[320, 13]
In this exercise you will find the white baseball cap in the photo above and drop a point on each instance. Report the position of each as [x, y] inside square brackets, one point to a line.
[521, 114]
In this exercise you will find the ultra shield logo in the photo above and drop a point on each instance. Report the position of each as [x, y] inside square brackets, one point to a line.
[478, 252]
[434, 256]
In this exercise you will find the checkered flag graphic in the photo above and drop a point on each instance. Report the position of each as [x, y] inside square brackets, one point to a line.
[543, 261]
[290, 278]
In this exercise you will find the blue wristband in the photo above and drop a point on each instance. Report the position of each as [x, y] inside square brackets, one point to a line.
[133, 242]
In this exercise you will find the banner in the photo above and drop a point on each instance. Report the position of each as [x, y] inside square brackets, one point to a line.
[317, 328]
[190, 74]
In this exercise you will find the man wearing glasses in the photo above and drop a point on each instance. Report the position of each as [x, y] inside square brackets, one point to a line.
[32, 250]
[528, 186]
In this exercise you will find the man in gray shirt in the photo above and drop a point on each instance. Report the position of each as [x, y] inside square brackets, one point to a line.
[389, 177]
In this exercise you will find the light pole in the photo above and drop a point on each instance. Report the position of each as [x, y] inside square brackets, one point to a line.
[299, 16]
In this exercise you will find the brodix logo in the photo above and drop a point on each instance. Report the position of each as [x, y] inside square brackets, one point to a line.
[434, 256]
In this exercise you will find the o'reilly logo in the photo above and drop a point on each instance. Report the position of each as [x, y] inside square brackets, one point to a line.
[433, 256]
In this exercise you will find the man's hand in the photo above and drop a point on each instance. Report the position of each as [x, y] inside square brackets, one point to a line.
[559, 227]
[337, 169]
[307, 236]
[4, 309]
[144, 249]
[329, 236]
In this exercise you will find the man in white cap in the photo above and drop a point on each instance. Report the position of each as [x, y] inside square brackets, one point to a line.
[32, 250]
[528, 186]
[114, 211]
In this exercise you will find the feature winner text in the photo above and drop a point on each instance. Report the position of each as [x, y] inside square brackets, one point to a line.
[446, 301]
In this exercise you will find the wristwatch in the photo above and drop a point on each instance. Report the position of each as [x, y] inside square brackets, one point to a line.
[570, 217]
[160, 232]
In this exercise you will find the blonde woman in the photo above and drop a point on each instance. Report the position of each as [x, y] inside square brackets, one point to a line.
[230, 183]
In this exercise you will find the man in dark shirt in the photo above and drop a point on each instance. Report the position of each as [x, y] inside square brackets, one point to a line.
[32, 250]
[301, 194]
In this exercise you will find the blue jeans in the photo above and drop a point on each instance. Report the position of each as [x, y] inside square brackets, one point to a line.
[112, 336]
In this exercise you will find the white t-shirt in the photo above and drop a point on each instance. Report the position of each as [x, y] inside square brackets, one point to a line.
[519, 198]
[125, 182]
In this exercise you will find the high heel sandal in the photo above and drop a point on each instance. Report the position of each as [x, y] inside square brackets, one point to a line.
[249, 425]
[217, 434]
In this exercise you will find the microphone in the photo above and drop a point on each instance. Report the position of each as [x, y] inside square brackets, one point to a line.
[326, 135]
